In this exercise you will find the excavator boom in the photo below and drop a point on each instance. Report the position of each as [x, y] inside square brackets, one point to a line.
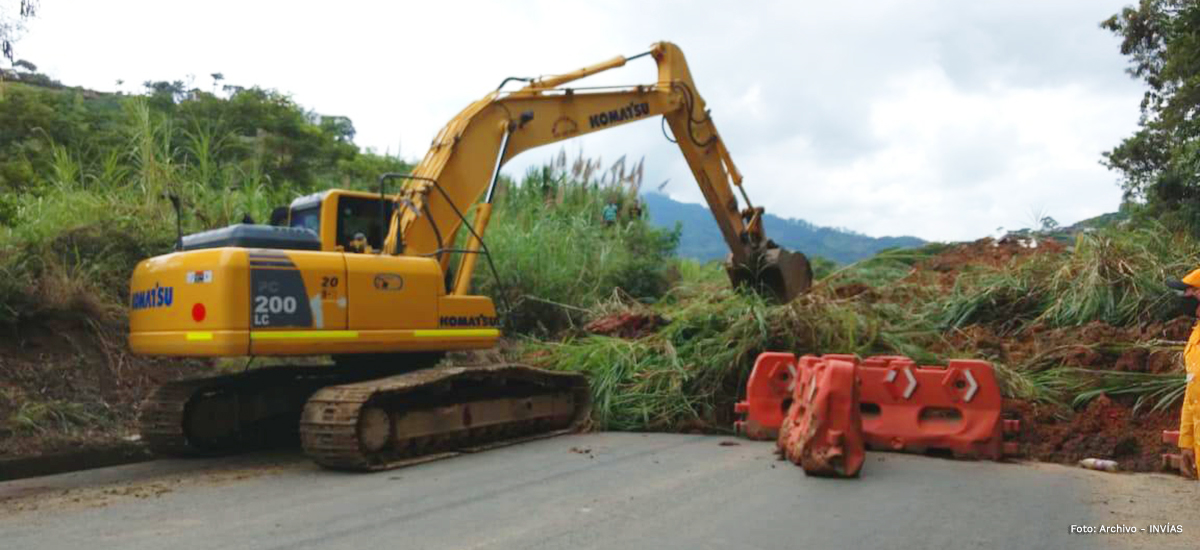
[467, 154]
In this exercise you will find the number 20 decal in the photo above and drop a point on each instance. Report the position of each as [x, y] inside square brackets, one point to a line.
[274, 304]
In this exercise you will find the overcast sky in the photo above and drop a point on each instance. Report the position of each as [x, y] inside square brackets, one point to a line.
[943, 119]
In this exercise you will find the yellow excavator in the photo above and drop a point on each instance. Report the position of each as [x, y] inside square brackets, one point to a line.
[367, 278]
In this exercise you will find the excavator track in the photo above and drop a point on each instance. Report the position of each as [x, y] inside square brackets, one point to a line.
[428, 414]
[161, 417]
[231, 413]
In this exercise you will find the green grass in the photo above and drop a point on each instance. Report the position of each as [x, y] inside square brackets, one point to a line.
[95, 201]
[58, 416]
[1112, 275]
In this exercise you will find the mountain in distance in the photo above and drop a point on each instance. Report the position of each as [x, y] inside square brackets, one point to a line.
[702, 240]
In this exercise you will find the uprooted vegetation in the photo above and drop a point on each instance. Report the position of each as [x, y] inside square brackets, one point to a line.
[1084, 336]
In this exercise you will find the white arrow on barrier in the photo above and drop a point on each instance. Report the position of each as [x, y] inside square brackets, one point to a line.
[974, 387]
[792, 384]
[912, 383]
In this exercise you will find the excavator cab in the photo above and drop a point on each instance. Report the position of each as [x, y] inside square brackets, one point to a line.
[337, 216]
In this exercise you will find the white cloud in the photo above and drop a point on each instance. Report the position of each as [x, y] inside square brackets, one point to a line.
[938, 118]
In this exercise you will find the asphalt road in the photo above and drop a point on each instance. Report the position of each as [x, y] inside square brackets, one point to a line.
[609, 490]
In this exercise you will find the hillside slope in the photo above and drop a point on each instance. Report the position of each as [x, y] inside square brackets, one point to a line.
[702, 240]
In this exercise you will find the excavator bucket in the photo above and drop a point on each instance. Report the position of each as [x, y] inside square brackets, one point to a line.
[776, 272]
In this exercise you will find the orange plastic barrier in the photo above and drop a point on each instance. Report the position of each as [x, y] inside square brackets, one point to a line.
[768, 394]
[955, 409]
[822, 431]
[1172, 461]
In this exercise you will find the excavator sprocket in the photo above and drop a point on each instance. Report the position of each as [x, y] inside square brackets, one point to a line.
[400, 420]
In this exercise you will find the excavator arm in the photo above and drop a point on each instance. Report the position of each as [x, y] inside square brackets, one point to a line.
[460, 170]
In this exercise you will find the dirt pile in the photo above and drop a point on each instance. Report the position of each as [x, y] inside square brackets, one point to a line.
[626, 324]
[990, 252]
[1151, 348]
[1104, 429]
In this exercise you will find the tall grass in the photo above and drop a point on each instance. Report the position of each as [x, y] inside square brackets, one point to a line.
[1158, 391]
[103, 213]
[1117, 277]
[556, 255]
[151, 152]
[1113, 276]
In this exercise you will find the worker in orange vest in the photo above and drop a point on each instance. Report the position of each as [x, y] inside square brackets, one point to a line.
[1189, 419]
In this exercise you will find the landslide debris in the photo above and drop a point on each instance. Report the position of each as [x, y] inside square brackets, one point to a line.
[1085, 338]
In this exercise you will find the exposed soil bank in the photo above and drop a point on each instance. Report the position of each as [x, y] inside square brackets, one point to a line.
[69, 384]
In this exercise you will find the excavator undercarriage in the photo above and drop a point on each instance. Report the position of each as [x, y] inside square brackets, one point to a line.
[382, 424]
[253, 409]
[231, 413]
[355, 420]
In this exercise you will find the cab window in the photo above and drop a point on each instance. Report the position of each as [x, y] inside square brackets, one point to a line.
[308, 218]
[361, 215]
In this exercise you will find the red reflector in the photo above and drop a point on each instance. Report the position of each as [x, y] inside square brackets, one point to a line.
[198, 312]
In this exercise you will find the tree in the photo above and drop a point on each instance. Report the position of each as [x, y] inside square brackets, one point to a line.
[340, 127]
[1160, 163]
[164, 94]
[12, 25]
